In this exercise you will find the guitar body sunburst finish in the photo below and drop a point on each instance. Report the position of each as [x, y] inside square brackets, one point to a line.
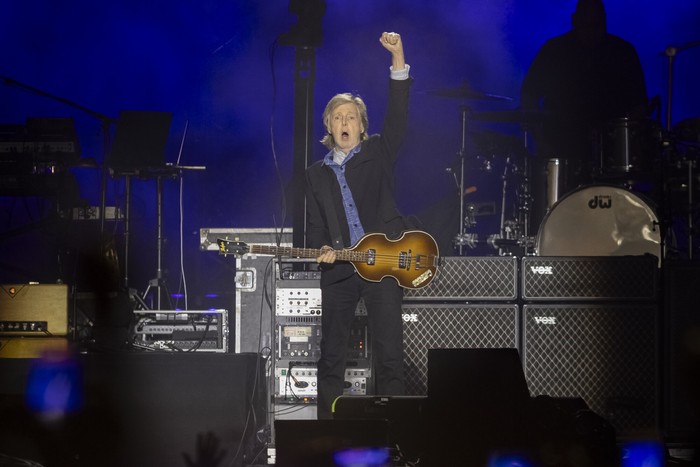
[411, 259]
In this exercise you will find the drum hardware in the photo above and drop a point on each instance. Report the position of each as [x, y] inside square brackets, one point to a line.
[512, 230]
[523, 204]
[504, 187]
[670, 53]
[495, 241]
[688, 186]
[469, 220]
[624, 146]
[464, 92]
[474, 210]
[552, 182]
[470, 240]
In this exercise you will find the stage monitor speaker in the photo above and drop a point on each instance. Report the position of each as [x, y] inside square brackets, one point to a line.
[589, 278]
[682, 360]
[604, 354]
[477, 405]
[488, 278]
[443, 326]
[149, 408]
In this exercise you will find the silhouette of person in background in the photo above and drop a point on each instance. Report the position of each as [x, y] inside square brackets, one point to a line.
[579, 81]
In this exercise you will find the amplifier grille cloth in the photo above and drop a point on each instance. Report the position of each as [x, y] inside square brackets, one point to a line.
[589, 278]
[603, 353]
[452, 326]
[476, 278]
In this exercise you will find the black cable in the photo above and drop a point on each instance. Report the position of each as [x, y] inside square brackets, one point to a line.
[204, 334]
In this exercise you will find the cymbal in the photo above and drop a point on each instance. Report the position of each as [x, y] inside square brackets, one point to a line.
[465, 91]
[514, 116]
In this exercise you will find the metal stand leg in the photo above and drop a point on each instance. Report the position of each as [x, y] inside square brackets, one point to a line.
[464, 111]
[159, 281]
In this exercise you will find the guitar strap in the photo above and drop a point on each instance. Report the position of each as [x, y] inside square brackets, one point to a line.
[331, 215]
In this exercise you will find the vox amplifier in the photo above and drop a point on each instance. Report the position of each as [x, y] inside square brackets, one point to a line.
[603, 353]
[444, 326]
[460, 278]
[589, 278]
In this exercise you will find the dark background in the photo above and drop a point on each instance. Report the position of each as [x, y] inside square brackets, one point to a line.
[213, 64]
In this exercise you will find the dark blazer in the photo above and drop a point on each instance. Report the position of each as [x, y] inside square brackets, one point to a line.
[370, 174]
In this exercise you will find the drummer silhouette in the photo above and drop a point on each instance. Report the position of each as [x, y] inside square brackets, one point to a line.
[585, 82]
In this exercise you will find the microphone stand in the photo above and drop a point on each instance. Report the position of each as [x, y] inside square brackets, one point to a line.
[464, 111]
[159, 282]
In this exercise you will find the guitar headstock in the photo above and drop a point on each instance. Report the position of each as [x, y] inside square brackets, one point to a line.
[232, 247]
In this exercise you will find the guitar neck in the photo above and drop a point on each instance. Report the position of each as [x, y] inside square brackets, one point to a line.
[293, 252]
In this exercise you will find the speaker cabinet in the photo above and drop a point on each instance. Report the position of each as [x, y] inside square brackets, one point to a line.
[589, 278]
[487, 278]
[428, 326]
[605, 354]
[34, 310]
[682, 365]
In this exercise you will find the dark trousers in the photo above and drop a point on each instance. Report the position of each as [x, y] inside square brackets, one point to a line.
[339, 301]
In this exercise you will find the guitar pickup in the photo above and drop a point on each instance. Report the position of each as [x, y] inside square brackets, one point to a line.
[405, 260]
[371, 256]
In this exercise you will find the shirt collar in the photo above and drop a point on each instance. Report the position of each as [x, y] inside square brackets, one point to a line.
[328, 160]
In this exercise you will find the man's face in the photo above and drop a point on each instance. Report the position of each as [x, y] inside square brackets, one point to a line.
[346, 126]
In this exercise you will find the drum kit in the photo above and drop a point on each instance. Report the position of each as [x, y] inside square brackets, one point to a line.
[641, 188]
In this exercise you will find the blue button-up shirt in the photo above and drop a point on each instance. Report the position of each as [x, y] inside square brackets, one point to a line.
[351, 214]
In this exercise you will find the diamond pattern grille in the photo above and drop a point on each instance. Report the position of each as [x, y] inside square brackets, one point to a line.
[589, 278]
[475, 278]
[452, 326]
[605, 354]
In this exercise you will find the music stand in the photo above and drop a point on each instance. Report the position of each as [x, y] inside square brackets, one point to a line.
[139, 149]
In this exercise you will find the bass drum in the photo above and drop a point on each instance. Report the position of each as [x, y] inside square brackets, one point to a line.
[600, 220]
